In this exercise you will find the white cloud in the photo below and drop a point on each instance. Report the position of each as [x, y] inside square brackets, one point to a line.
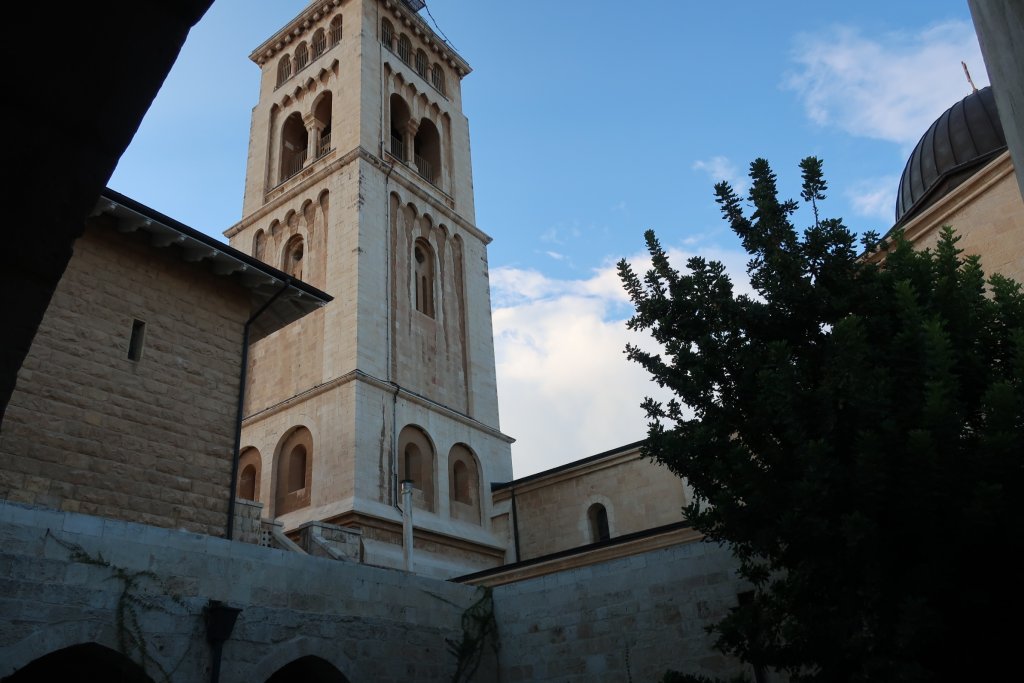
[874, 197]
[566, 388]
[720, 168]
[890, 86]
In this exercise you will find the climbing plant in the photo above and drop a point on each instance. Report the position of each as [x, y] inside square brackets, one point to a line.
[479, 631]
[131, 602]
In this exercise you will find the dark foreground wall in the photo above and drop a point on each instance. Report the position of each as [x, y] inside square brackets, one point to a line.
[627, 619]
[70, 579]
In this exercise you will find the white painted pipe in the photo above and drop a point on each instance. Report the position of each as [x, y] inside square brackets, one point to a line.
[407, 524]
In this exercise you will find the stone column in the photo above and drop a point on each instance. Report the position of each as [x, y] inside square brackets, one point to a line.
[410, 140]
[312, 136]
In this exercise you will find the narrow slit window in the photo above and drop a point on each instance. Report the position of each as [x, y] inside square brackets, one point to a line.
[137, 340]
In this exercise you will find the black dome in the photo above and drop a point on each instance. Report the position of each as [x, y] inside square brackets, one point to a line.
[960, 141]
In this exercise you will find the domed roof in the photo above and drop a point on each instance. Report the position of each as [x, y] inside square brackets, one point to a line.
[960, 141]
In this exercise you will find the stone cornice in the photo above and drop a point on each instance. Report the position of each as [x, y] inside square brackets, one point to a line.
[403, 393]
[938, 214]
[583, 556]
[293, 30]
[412, 186]
[586, 467]
[419, 28]
[301, 24]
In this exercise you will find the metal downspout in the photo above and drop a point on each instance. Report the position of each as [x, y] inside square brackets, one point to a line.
[229, 532]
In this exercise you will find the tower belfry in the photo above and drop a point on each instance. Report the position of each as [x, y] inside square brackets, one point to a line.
[359, 182]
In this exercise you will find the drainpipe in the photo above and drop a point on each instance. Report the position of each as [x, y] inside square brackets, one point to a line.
[515, 522]
[407, 524]
[233, 491]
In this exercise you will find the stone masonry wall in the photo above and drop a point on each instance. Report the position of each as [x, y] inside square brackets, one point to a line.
[636, 493]
[627, 619]
[89, 429]
[370, 624]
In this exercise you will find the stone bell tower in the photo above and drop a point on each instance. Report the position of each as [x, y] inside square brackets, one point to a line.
[359, 182]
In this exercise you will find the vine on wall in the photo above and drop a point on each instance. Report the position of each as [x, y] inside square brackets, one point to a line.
[479, 630]
[131, 640]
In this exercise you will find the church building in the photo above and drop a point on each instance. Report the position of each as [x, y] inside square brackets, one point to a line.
[282, 459]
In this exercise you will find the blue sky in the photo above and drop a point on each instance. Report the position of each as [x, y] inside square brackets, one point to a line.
[590, 122]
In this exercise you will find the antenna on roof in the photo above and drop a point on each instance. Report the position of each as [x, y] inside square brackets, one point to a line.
[967, 73]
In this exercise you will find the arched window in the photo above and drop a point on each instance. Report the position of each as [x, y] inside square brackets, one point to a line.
[284, 69]
[291, 261]
[399, 123]
[301, 57]
[428, 151]
[463, 484]
[249, 464]
[259, 244]
[322, 114]
[416, 464]
[421, 63]
[319, 43]
[597, 516]
[423, 272]
[335, 30]
[404, 48]
[437, 78]
[294, 471]
[387, 34]
[294, 142]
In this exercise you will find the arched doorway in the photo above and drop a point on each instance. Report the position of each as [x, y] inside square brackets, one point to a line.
[308, 669]
[85, 662]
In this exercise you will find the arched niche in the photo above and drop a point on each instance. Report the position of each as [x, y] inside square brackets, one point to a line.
[416, 463]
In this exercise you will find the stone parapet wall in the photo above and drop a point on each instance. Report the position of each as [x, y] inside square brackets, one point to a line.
[631, 618]
[61, 588]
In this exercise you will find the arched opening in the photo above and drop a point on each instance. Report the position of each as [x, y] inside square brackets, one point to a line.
[308, 669]
[85, 662]
[319, 43]
[399, 124]
[421, 63]
[437, 78]
[292, 259]
[335, 30]
[259, 245]
[404, 48]
[463, 484]
[416, 464]
[301, 57]
[322, 116]
[297, 469]
[597, 516]
[428, 151]
[284, 69]
[249, 464]
[294, 471]
[423, 275]
[294, 142]
[387, 34]
[247, 483]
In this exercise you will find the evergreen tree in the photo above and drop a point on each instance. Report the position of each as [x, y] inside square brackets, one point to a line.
[854, 433]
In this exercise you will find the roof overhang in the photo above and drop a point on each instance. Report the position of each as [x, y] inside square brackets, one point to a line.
[281, 298]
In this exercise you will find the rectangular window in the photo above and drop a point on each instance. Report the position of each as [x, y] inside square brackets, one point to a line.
[138, 339]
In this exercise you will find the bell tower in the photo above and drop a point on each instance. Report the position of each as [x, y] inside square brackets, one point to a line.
[359, 182]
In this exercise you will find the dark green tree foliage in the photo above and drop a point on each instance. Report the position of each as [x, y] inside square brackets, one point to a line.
[855, 433]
